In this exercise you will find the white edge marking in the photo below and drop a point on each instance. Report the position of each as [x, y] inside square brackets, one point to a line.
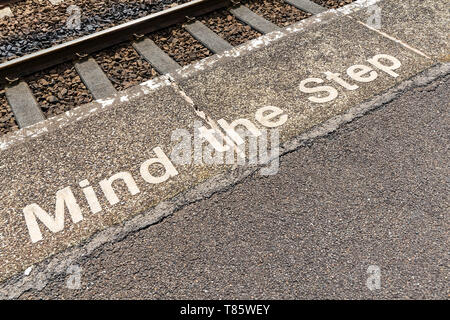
[81, 112]
[407, 46]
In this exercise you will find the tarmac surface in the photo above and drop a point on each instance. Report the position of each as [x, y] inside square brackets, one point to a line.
[372, 193]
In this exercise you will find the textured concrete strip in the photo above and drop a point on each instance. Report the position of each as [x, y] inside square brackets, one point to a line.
[208, 37]
[252, 19]
[307, 5]
[25, 107]
[155, 56]
[95, 79]
[424, 25]
[118, 139]
[236, 88]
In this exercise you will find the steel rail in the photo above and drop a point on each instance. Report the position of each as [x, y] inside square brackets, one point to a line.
[83, 46]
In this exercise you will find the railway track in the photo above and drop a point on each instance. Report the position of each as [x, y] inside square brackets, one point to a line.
[152, 43]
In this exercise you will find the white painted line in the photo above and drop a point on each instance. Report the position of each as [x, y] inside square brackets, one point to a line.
[6, 12]
[407, 46]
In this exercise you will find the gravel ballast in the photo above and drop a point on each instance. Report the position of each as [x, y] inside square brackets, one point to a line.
[229, 28]
[333, 4]
[276, 11]
[180, 45]
[124, 67]
[40, 25]
[58, 89]
[7, 121]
